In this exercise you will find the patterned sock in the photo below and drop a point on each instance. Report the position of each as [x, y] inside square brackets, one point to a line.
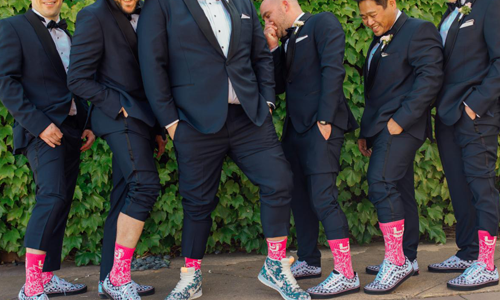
[192, 263]
[34, 266]
[120, 273]
[342, 256]
[46, 277]
[487, 249]
[276, 250]
[393, 237]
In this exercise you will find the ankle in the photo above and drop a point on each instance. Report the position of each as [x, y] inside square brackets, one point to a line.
[276, 250]
[192, 263]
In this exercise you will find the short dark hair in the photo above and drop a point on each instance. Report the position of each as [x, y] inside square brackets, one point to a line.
[383, 3]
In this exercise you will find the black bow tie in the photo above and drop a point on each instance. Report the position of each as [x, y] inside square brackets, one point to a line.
[61, 25]
[137, 11]
[453, 5]
[289, 33]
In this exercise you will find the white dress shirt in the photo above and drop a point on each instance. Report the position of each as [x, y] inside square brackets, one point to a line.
[134, 21]
[63, 46]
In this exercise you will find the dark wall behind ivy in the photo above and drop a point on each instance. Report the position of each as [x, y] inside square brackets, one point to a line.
[236, 220]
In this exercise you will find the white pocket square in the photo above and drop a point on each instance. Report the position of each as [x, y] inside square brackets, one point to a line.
[243, 16]
[383, 54]
[301, 38]
[468, 23]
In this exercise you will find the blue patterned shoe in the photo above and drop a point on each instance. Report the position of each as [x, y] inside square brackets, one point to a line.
[22, 296]
[60, 287]
[122, 292]
[452, 265]
[373, 270]
[389, 277]
[278, 276]
[189, 287]
[335, 285]
[302, 270]
[474, 278]
[142, 290]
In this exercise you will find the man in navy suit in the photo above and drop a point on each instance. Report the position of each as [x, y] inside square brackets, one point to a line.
[105, 71]
[467, 127]
[49, 126]
[309, 67]
[208, 75]
[403, 75]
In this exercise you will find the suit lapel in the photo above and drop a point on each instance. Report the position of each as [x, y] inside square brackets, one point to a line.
[47, 43]
[366, 72]
[378, 54]
[203, 24]
[290, 52]
[124, 25]
[235, 26]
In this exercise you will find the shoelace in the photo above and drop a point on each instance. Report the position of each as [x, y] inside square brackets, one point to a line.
[287, 272]
[183, 283]
[129, 290]
[473, 270]
[297, 265]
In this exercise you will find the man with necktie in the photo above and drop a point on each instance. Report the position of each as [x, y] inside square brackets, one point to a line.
[105, 70]
[50, 124]
[403, 75]
[208, 75]
[309, 67]
[467, 128]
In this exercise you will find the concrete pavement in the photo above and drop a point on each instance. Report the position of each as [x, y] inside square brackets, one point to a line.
[234, 276]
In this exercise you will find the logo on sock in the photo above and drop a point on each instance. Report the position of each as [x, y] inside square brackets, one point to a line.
[40, 264]
[119, 253]
[399, 233]
[489, 242]
[274, 248]
[344, 249]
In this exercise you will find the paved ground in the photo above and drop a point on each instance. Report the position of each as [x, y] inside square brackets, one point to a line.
[234, 276]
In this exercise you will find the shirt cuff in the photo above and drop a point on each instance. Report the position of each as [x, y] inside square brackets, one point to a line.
[469, 107]
[271, 105]
[274, 49]
[171, 124]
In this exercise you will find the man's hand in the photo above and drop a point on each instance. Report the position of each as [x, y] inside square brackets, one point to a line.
[393, 127]
[326, 130]
[171, 130]
[52, 135]
[124, 112]
[470, 113]
[363, 149]
[89, 138]
[161, 145]
[270, 32]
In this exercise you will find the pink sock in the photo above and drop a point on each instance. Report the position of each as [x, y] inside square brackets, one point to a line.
[276, 249]
[120, 273]
[487, 249]
[393, 237]
[34, 266]
[46, 277]
[342, 257]
[192, 263]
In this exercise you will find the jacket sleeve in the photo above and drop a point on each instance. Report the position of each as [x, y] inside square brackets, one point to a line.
[483, 96]
[425, 55]
[153, 57]
[11, 90]
[262, 61]
[330, 44]
[86, 53]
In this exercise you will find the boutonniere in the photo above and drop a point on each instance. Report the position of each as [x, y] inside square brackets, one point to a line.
[386, 40]
[465, 9]
[297, 25]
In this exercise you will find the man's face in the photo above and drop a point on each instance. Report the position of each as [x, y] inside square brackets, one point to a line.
[378, 19]
[127, 6]
[47, 8]
[274, 12]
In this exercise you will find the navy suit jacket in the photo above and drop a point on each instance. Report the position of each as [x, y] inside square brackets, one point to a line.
[313, 77]
[104, 67]
[472, 64]
[32, 79]
[185, 72]
[404, 79]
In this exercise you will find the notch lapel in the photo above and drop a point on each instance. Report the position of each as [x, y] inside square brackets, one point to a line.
[235, 27]
[202, 21]
[125, 26]
[290, 53]
[47, 43]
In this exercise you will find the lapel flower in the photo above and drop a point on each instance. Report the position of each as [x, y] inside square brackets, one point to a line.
[465, 9]
[297, 25]
[386, 40]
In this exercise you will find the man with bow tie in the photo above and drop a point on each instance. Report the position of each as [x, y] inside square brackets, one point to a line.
[403, 75]
[309, 67]
[50, 124]
[467, 128]
[208, 75]
[105, 70]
